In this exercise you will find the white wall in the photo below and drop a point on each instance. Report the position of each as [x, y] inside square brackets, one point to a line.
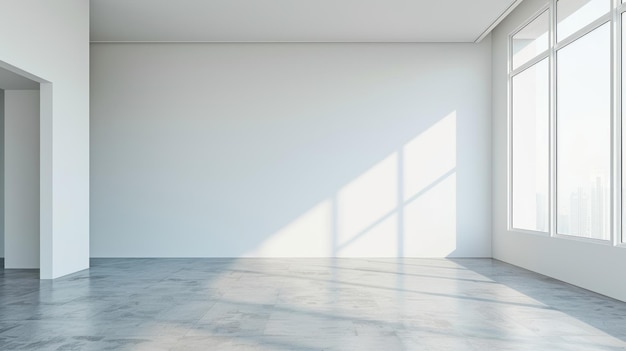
[21, 178]
[290, 150]
[49, 41]
[592, 266]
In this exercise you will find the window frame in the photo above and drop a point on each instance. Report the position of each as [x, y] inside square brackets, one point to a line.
[619, 11]
[511, 74]
[612, 186]
[617, 234]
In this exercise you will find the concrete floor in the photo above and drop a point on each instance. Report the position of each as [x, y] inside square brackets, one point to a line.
[304, 304]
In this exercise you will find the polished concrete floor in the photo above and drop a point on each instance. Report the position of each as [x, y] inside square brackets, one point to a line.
[304, 304]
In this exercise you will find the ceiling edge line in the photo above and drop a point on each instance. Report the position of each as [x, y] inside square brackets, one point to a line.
[497, 21]
[269, 42]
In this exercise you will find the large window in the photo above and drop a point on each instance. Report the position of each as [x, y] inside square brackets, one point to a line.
[562, 115]
[583, 121]
[530, 108]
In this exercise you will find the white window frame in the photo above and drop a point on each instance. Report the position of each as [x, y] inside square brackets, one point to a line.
[620, 235]
[512, 73]
[616, 220]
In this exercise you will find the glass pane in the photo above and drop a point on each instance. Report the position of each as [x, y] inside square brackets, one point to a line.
[530, 173]
[573, 15]
[584, 135]
[531, 40]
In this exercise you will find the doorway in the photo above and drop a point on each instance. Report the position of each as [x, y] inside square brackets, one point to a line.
[20, 171]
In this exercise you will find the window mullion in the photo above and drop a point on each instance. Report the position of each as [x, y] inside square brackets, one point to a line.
[530, 63]
[552, 120]
[617, 183]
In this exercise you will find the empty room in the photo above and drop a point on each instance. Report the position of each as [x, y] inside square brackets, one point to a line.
[312, 175]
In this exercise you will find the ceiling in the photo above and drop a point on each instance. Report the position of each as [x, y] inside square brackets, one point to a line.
[294, 20]
[12, 81]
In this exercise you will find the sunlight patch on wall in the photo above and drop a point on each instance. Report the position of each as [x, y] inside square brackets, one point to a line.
[378, 240]
[429, 218]
[309, 235]
[403, 206]
[365, 220]
[430, 221]
[429, 156]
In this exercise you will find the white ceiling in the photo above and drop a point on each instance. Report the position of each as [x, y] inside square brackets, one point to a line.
[294, 20]
[12, 81]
